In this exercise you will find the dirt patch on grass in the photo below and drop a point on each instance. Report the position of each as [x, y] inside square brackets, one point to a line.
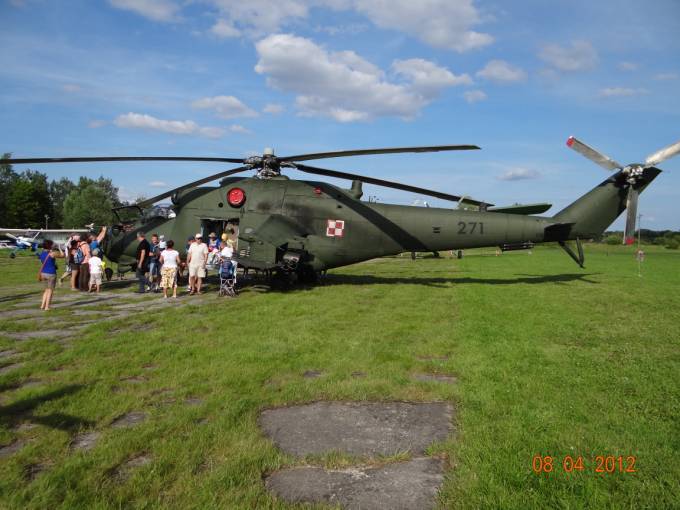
[134, 379]
[409, 485]
[312, 374]
[377, 428]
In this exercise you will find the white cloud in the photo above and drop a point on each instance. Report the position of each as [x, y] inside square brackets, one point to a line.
[255, 18]
[580, 56]
[94, 124]
[446, 24]
[440, 23]
[155, 10]
[518, 174]
[158, 184]
[71, 87]
[273, 108]
[621, 92]
[427, 77]
[177, 127]
[627, 66]
[474, 96]
[237, 128]
[501, 71]
[226, 107]
[666, 76]
[345, 86]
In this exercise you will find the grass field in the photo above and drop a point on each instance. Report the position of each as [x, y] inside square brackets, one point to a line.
[550, 359]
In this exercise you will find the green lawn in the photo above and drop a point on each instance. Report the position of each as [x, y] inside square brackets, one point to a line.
[550, 359]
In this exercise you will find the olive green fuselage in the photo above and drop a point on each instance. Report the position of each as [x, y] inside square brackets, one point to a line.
[327, 226]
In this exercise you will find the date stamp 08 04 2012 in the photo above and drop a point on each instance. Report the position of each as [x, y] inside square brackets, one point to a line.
[601, 464]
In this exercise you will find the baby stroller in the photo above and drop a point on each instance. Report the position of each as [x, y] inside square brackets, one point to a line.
[227, 273]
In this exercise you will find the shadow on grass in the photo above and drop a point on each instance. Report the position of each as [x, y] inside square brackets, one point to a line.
[441, 282]
[13, 414]
[17, 297]
[258, 285]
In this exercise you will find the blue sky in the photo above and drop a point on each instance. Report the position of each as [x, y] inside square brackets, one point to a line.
[228, 78]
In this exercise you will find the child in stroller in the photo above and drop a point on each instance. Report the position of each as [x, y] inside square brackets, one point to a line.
[227, 272]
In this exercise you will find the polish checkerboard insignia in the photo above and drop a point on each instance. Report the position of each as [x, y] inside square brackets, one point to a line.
[335, 228]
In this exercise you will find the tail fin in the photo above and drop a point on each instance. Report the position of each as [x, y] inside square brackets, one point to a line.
[590, 215]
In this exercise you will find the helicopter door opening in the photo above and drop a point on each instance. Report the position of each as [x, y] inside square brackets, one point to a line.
[220, 226]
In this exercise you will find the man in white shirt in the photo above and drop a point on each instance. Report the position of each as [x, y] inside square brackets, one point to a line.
[197, 259]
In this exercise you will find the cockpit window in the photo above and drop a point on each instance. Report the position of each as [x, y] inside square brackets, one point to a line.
[128, 214]
[159, 211]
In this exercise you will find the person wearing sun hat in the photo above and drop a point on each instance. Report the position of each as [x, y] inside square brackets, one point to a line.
[197, 258]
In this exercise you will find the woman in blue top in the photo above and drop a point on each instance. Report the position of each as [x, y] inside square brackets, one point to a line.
[48, 271]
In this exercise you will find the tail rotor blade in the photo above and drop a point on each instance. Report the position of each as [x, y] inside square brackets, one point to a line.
[593, 155]
[631, 218]
[663, 154]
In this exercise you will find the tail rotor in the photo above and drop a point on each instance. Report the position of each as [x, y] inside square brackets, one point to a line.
[631, 173]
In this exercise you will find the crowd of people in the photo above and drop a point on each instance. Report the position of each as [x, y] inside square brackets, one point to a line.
[158, 264]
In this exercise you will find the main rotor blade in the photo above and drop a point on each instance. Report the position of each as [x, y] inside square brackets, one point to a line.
[153, 200]
[387, 184]
[593, 155]
[24, 161]
[631, 217]
[663, 154]
[364, 152]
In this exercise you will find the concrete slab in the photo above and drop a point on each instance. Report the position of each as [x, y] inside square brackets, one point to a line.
[9, 353]
[43, 333]
[11, 449]
[128, 420]
[442, 378]
[373, 428]
[408, 485]
[126, 469]
[8, 368]
[33, 471]
[443, 357]
[85, 441]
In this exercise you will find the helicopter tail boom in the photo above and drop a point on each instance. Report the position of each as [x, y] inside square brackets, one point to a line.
[590, 215]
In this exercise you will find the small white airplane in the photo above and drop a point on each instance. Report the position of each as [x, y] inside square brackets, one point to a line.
[29, 239]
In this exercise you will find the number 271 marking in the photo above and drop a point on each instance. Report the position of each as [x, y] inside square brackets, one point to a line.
[463, 227]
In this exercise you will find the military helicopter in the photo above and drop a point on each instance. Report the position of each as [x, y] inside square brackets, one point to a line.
[305, 227]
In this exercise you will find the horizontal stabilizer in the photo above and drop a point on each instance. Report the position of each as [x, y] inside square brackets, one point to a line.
[521, 209]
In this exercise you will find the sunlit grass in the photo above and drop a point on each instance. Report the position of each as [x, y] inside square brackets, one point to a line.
[550, 359]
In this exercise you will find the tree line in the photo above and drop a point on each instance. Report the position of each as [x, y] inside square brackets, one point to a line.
[667, 238]
[27, 197]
